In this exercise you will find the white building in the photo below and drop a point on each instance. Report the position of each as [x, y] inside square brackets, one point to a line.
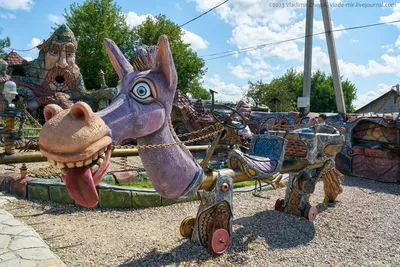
[387, 103]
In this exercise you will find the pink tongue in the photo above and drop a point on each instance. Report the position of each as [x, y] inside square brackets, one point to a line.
[81, 187]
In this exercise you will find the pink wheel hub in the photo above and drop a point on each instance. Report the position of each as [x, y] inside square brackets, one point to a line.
[312, 213]
[220, 241]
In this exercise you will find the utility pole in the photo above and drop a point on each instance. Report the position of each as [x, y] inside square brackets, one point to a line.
[333, 58]
[308, 54]
[398, 97]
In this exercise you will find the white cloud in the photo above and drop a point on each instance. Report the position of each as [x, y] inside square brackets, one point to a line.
[226, 92]
[55, 19]
[397, 43]
[253, 69]
[394, 16]
[383, 88]
[17, 4]
[388, 48]
[32, 54]
[133, 19]
[354, 41]
[248, 73]
[389, 65]
[34, 42]
[28, 58]
[7, 16]
[177, 6]
[194, 40]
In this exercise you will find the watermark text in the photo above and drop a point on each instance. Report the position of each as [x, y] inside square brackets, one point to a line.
[333, 5]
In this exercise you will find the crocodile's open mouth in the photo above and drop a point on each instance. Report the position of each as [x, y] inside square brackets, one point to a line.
[81, 177]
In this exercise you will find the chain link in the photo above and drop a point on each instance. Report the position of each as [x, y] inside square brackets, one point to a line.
[219, 128]
[126, 164]
[195, 132]
[35, 122]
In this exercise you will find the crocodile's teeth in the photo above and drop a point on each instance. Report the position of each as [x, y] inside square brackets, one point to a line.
[94, 168]
[79, 164]
[88, 161]
[63, 170]
[60, 165]
[100, 162]
[95, 157]
[101, 151]
[70, 165]
[52, 161]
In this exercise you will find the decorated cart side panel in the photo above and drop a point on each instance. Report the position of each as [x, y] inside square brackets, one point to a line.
[372, 141]
[372, 148]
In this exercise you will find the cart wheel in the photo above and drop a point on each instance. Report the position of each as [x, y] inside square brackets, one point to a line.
[279, 205]
[220, 241]
[311, 213]
[186, 227]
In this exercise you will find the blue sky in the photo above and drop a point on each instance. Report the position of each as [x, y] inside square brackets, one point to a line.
[369, 57]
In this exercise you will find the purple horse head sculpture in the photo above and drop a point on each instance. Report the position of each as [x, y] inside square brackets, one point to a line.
[142, 111]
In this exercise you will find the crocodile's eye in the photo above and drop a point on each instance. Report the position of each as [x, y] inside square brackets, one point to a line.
[141, 90]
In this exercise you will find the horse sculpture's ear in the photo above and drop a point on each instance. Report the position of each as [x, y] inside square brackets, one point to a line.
[118, 60]
[165, 63]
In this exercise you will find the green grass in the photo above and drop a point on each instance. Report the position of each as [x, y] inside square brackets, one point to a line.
[244, 184]
[147, 184]
[142, 181]
[139, 184]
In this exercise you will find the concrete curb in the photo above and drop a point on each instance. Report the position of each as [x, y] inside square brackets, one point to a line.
[110, 196]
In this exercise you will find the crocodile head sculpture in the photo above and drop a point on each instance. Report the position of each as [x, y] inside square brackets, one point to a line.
[79, 143]
[79, 140]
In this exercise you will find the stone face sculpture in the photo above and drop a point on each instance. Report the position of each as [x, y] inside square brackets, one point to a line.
[54, 77]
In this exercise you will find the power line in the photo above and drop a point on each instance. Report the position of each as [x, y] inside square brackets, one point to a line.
[203, 13]
[243, 50]
[199, 16]
[24, 50]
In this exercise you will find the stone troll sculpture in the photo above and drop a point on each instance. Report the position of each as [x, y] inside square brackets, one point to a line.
[80, 142]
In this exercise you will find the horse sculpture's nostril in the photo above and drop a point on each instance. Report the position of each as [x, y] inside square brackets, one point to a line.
[81, 111]
[78, 113]
[51, 110]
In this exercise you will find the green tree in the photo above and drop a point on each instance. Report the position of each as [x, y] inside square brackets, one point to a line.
[93, 21]
[290, 86]
[189, 66]
[4, 43]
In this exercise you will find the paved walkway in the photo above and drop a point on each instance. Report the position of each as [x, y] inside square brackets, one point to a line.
[20, 245]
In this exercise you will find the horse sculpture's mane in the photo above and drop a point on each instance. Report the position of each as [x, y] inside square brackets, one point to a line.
[144, 58]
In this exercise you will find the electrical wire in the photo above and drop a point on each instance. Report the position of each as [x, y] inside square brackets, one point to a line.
[199, 16]
[208, 11]
[247, 49]
[24, 50]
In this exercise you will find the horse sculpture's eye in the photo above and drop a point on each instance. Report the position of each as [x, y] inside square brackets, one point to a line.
[141, 90]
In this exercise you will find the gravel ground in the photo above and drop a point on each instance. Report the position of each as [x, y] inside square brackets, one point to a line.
[362, 230]
[115, 165]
